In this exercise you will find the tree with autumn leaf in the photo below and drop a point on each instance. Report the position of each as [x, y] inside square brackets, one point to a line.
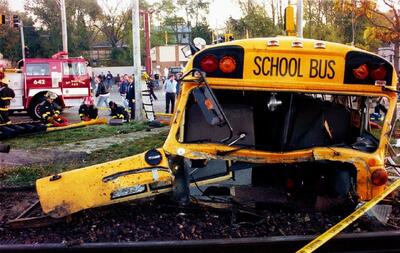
[385, 26]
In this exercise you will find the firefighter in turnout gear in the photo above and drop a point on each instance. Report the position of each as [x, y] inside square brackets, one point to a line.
[50, 111]
[6, 94]
[87, 111]
[118, 112]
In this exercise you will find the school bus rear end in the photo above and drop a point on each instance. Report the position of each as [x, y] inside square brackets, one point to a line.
[303, 106]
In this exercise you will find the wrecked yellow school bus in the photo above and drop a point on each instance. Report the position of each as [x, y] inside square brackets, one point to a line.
[296, 111]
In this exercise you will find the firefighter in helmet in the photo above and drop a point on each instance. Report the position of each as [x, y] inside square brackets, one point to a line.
[50, 111]
[87, 111]
[118, 112]
[6, 94]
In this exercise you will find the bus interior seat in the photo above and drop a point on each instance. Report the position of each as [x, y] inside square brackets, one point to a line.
[240, 116]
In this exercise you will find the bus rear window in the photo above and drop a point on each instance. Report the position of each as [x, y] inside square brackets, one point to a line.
[287, 121]
[37, 69]
[74, 68]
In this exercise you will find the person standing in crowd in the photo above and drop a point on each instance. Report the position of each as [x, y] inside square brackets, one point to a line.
[170, 93]
[157, 81]
[92, 85]
[151, 83]
[130, 96]
[118, 112]
[117, 80]
[6, 94]
[87, 111]
[102, 77]
[109, 79]
[123, 87]
[102, 93]
[178, 82]
[50, 111]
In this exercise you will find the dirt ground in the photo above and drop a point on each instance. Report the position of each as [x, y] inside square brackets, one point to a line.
[161, 219]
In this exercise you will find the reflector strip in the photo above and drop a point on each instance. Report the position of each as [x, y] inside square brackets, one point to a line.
[333, 231]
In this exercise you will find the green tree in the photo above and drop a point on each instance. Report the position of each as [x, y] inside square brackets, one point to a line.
[255, 21]
[166, 12]
[195, 10]
[34, 40]
[321, 23]
[113, 22]
[202, 30]
[10, 41]
[80, 17]
[336, 21]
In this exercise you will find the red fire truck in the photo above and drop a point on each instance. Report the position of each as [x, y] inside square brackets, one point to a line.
[67, 77]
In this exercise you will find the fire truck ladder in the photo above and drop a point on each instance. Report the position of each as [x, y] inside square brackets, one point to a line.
[148, 106]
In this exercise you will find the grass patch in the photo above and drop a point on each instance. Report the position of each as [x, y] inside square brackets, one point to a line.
[27, 175]
[57, 138]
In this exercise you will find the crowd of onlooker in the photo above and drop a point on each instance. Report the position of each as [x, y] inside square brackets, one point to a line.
[102, 85]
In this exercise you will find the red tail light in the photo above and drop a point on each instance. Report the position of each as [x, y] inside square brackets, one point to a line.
[379, 73]
[379, 177]
[209, 63]
[361, 72]
[227, 64]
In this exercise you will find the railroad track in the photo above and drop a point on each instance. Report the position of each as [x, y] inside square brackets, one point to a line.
[360, 243]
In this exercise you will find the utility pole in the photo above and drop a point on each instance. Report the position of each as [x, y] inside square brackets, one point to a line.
[64, 26]
[146, 16]
[21, 29]
[136, 60]
[299, 15]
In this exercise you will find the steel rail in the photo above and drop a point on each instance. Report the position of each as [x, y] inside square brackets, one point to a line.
[376, 242]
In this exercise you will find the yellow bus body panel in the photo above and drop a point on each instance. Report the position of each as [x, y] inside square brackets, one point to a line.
[87, 187]
[310, 58]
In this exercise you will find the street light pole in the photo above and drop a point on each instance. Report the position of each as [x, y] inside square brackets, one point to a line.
[299, 15]
[64, 26]
[146, 16]
[136, 60]
[21, 29]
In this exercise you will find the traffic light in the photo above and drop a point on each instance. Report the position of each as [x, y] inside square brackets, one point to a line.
[27, 52]
[15, 21]
[228, 37]
[2, 19]
[289, 21]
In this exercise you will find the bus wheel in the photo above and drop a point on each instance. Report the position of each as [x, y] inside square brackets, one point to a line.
[33, 109]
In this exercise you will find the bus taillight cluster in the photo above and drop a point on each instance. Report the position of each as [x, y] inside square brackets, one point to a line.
[363, 71]
[221, 62]
[210, 63]
[366, 68]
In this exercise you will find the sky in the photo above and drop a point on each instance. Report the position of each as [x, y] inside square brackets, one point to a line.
[220, 10]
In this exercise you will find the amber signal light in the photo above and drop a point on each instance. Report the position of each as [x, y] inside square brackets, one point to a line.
[208, 103]
[227, 64]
